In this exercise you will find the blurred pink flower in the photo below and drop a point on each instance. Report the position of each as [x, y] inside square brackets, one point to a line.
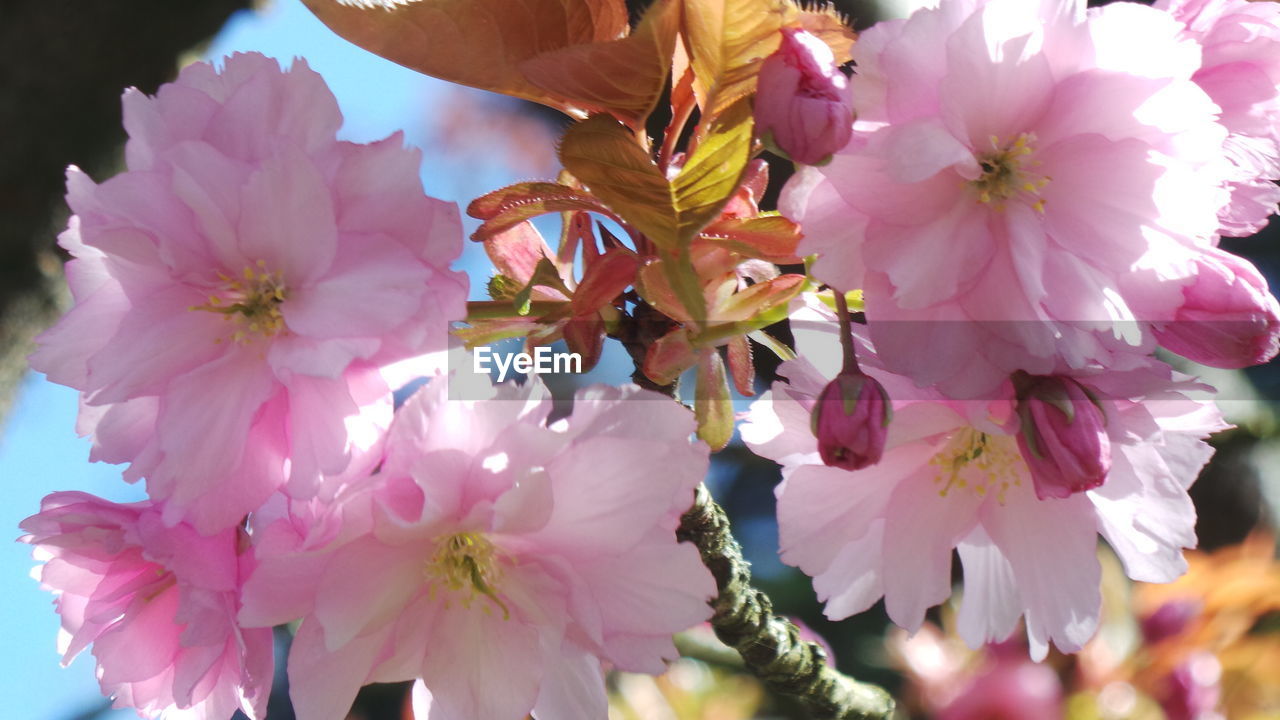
[952, 477]
[1241, 72]
[1026, 183]
[157, 603]
[245, 290]
[802, 99]
[1228, 317]
[498, 559]
[1194, 689]
[1010, 687]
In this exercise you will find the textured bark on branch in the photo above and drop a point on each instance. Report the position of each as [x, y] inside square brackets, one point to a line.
[770, 646]
[63, 65]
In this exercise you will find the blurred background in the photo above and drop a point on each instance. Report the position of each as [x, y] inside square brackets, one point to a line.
[1205, 647]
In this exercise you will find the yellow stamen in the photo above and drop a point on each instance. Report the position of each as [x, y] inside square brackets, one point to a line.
[1006, 174]
[253, 303]
[467, 564]
[977, 462]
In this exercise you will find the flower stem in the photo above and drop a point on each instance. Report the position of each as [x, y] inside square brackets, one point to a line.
[770, 646]
[846, 333]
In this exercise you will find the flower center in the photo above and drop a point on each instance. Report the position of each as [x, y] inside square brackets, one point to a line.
[467, 564]
[1006, 173]
[252, 301]
[978, 462]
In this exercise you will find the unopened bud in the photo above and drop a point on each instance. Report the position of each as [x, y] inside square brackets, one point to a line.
[851, 420]
[802, 104]
[1063, 437]
[1228, 319]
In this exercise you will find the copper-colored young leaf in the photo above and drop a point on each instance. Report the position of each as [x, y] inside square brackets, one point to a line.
[507, 207]
[832, 28]
[604, 279]
[516, 252]
[712, 403]
[767, 237]
[669, 356]
[585, 336]
[742, 367]
[481, 43]
[623, 77]
[727, 40]
[760, 301]
[674, 288]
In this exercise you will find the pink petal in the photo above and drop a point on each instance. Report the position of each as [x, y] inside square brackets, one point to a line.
[375, 285]
[991, 606]
[1052, 547]
[572, 688]
[323, 683]
[922, 527]
[287, 219]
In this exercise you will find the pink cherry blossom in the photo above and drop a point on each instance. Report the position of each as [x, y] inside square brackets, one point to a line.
[1025, 185]
[499, 559]
[157, 603]
[952, 477]
[245, 290]
[1241, 72]
[802, 99]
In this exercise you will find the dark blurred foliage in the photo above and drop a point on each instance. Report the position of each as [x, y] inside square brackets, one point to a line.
[63, 65]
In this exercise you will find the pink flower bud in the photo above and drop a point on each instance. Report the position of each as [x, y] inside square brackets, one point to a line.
[850, 420]
[1063, 438]
[802, 106]
[1228, 319]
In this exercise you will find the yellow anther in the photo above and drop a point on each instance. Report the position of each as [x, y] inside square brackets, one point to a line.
[467, 564]
[974, 461]
[252, 303]
[1005, 174]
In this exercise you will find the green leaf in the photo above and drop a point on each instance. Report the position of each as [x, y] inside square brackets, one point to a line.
[669, 356]
[607, 158]
[712, 403]
[727, 40]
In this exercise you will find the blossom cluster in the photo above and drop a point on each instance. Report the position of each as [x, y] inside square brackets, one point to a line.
[249, 293]
[1022, 200]
[1030, 204]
